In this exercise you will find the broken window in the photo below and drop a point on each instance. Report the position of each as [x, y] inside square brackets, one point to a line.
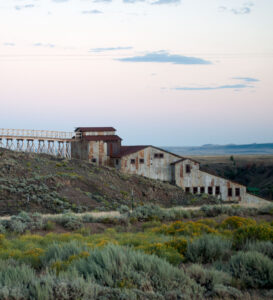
[94, 160]
[117, 162]
[230, 192]
[141, 161]
[237, 192]
[210, 190]
[188, 168]
[202, 190]
[161, 155]
[156, 155]
[187, 189]
[195, 190]
[133, 161]
[217, 190]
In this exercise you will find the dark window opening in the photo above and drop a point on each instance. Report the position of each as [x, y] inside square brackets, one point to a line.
[187, 189]
[237, 192]
[230, 192]
[156, 155]
[117, 162]
[195, 190]
[188, 168]
[202, 190]
[217, 190]
[94, 160]
[161, 155]
[133, 161]
[141, 161]
[210, 190]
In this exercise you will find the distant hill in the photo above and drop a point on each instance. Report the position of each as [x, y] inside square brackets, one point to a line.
[210, 149]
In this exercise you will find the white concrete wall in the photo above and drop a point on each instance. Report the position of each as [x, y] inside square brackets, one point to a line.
[155, 168]
[98, 150]
[197, 178]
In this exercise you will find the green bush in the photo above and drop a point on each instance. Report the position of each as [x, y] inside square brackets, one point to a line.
[124, 209]
[253, 268]
[70, 221]
[216, 283]
[261, 232]
[208, 248]
[266, 248]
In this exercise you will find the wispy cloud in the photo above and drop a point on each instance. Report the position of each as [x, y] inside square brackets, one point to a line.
[91, 12]
[9, 44]
[165, 57]
[20, 7]
[109, 49]
[159, 2]
[133, 1]
[102, 1]
[60, 1]
[44, 45]
[246, 79]
[209, 88]
[242, 10]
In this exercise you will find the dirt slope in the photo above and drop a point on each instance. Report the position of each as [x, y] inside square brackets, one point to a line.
[43, 183]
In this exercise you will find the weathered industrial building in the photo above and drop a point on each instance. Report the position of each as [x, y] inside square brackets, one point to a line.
[101, 146]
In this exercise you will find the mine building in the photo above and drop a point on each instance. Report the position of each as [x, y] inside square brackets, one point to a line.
[101, 146]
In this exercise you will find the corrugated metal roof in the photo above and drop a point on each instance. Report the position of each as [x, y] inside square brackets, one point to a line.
[94, 129]
[104, 138]
[126, 150]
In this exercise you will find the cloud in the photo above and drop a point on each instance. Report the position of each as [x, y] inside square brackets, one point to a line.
[133, 1]
[60, 1]
[209, 88]
[165, 57]
[91, 12]
[102, 1]
[159, 2]
[243, 10]
[20, 7]
[44, 45]
[9, 44]
[246, 79]
[109, 49]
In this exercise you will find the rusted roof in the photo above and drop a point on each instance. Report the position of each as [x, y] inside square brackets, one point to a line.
[94, 129]
[126, 150]
[104, 138]
[184, 158]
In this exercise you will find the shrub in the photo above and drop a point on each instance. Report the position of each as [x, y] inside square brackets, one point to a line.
[216, 283]
[261, 232]
[49, 226]
[147, 212]
[253, 268]
[70, 221]
[2, 229]
[208, 248]
[266, 248]
[113, 266]
[179, 244]
[17, 226]
[235, 222]
[124, 209]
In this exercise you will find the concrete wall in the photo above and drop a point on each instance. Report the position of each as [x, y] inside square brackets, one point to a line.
[79, 150]
[198, 178]
[155, 168]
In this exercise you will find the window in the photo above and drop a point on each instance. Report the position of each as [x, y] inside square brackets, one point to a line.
[133, 161]
[195, 190]
[210, 190]
[161, 155]
[156, 155]
[217, 190]
[202, 190]
[141, 161]
[230, 192]
[94, 160]
[237, 192]
[187, 189]
[188, 168]
[117, 162]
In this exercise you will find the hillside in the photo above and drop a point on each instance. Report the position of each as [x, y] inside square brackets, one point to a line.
[223, 149]
[43, 183]
[253, 171]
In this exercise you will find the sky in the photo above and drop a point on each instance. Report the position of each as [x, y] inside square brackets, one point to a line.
[162, 72]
